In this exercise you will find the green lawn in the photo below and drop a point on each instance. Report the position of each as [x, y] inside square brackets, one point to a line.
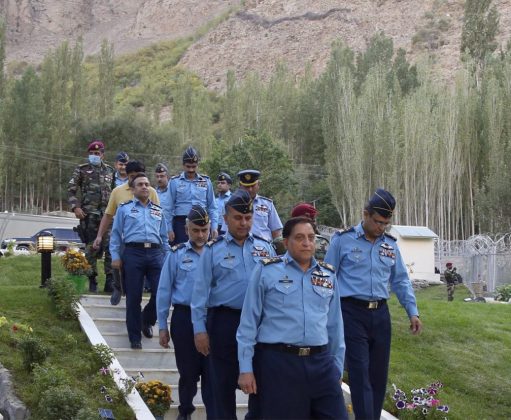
[464, 345]
[22, 301]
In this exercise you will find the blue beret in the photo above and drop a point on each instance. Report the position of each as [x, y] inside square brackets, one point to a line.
[198, 215]
[248, 177]
[190, 155]
[222, 176]
[122, 157]
[241, 201]
[382, 202]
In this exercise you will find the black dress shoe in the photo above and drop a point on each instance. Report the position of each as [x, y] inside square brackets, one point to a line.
[116, 296]
[136, 345]
[147, 330]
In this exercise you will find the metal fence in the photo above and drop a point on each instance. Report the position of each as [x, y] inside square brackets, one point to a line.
[484, 262]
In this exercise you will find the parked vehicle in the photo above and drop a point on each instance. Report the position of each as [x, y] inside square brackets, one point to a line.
[65, 238]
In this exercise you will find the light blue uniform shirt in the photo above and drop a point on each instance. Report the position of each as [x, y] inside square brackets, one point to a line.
[176, 280]
[365, 269]
[165, 199]
[120, 181]
[224, 270]
[283, 304]
[266, 219]
[186, 192]
[134, 222]
[221, 199]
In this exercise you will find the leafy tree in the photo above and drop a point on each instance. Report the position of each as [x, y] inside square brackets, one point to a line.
[106, 83]
[405, 73]
[480, 27]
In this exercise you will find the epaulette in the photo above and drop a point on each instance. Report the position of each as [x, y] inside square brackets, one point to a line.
[204, 176]
[156, 205]
[175, 176]
[265, 198]
[125, 202]
[342, 232]
[178, 246]
[214, 241]
[327, 266]
[390, 236]
[267, 261]
[261, 238]
[82, 165]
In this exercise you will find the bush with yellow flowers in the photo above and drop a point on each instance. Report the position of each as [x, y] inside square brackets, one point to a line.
[156, 395]
[75, 263]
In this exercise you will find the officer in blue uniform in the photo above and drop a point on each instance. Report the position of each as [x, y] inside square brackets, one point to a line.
[187, 189]
[290, 337]
[161, 174]
[139, 237]
[120, 176]
[223, 187]
[176, 284]
[266, 222]
[224, 269]
[367, 260]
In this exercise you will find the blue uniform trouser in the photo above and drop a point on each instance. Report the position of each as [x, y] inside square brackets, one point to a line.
[298, 387]
[178, 227]
[137, 263]
[191, 365]
[222, 324]
[367, 334]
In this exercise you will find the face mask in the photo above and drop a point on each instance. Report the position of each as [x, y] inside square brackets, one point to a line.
[95, 160]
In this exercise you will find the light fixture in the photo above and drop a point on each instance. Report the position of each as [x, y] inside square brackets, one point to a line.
[45, 246]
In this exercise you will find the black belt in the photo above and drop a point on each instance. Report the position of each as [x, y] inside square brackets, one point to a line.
[141, 245]
[223, 308]
[182, 307]
[180, 217]
[289, 348]
[368, 304]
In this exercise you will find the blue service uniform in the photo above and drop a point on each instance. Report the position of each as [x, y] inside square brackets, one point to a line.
[266, 219]
[219, 291]
[142, 232]
[165, 199]
[291, 337]
[364, 271]
[184, 194]
[176, 284]
[221, 199]
[118, 180]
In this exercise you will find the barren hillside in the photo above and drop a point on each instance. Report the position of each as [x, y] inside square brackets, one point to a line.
[259, 35]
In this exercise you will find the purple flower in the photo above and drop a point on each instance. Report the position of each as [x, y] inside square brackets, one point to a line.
[400, 404]
[443, 408]
[432, 391]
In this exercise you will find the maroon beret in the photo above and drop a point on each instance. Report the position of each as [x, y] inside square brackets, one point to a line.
[96, 145]
[304, 209]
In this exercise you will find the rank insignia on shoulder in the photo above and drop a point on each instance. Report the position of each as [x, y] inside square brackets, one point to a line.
[178, 246]
[343, 231]
[214, 241]
[125, 202]
[267, 261]
[261, 238]
[327, 266]
[388, 235]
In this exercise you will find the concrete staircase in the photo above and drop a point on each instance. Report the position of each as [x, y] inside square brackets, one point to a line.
[153, 361]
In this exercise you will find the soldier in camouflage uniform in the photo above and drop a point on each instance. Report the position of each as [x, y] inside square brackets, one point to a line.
[451, 278]
[92, 182]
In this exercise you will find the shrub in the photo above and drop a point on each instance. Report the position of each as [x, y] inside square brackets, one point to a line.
[60, 402]
[65, 297]
[503, 293]
[47, 376]
[33, 351]
[102, 356]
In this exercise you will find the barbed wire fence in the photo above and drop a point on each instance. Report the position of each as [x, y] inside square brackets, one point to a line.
[483, 261]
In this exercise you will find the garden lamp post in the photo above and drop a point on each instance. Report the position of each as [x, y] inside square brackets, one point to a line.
[45, 246]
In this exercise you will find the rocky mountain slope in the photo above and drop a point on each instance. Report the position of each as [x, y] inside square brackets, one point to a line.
[255, 36]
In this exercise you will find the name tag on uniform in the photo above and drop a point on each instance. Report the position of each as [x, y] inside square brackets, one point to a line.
[187, 261]
[286, 282]
[228, 257]
[133, 210]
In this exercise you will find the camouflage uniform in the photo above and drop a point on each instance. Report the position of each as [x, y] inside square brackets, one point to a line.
[322, 244]
[94, 184]
[450, 276]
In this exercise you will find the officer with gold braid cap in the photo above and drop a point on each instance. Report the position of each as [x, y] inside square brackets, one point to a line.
[366, 261]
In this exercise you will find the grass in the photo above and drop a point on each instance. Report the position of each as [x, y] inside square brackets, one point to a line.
[22, 301]
[464, 345]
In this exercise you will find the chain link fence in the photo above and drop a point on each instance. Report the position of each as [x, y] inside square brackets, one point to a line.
[484, 262]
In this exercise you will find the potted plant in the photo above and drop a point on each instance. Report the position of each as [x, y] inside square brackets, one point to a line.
[77, 267]
[156, 395]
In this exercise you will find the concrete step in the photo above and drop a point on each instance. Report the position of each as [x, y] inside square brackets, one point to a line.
[200, 412]
[168, 376]
[110, 325]
[120, 340]
[145, 359]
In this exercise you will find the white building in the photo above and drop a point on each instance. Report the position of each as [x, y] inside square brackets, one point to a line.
[417, 245]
